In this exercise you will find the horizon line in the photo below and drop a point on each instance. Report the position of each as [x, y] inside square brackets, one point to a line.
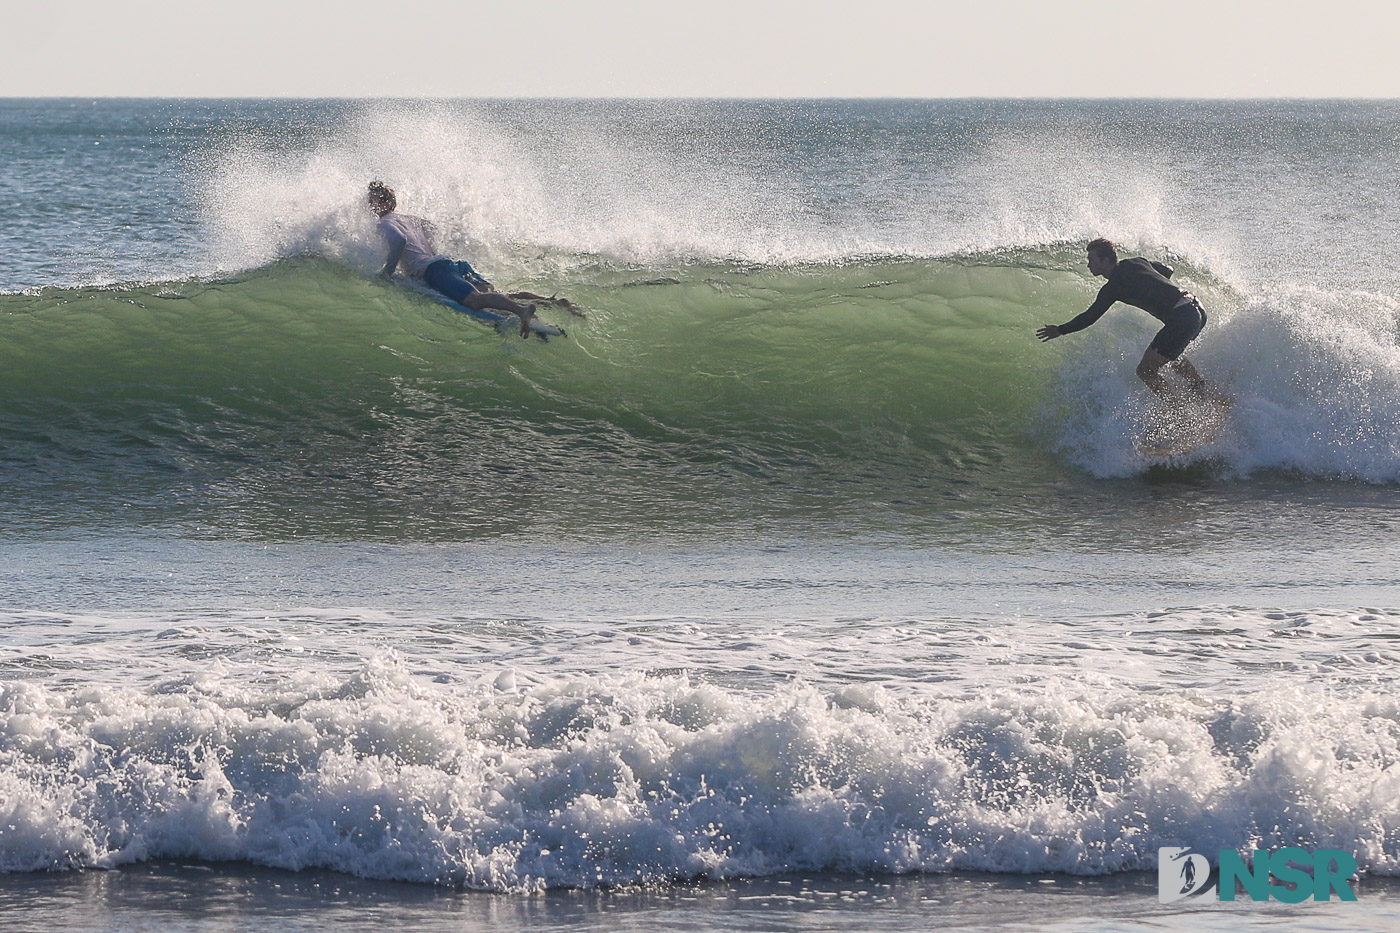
[679, 97]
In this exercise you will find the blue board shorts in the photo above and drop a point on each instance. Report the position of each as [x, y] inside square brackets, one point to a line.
[1184, 323]
[450, 278]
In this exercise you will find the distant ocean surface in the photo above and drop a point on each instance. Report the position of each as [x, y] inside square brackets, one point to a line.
[797, 588]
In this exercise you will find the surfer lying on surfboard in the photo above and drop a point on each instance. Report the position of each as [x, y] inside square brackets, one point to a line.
[411, 244]
[1145, 285]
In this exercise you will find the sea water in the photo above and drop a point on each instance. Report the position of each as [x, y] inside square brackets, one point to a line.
[799, 587]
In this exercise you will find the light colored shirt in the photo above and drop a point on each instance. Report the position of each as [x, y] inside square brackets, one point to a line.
[412, 239]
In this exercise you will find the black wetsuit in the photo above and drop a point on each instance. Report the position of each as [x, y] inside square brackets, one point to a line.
[1144, 285]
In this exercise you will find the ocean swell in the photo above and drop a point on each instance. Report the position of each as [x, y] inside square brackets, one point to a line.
[685, 392]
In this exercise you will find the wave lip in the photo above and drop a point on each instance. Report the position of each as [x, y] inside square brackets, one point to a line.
[632, 780]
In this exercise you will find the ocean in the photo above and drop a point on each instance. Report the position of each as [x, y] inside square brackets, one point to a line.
[798, 588]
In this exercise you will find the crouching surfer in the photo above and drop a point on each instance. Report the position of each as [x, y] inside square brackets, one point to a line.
[411, 245]
[1147, 285]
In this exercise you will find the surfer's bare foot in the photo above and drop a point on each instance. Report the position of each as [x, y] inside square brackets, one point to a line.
[526, 317]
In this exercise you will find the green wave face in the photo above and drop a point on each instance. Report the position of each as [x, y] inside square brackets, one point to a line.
[304, 398]
[307, 400]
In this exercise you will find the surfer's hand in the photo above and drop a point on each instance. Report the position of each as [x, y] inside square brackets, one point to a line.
[1048, 332]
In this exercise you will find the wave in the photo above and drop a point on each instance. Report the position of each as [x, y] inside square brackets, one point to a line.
[605, 780]
[700, 387]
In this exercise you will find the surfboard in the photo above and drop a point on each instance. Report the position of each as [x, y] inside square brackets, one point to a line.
[500, 320]
[1185, 430]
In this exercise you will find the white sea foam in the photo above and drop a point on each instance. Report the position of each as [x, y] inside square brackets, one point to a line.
[1314, 376]
[615, 779]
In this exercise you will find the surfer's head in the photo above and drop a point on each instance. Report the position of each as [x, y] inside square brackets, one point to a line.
[381, 198]
[1103, 256]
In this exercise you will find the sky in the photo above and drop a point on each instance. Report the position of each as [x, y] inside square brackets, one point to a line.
[710, 48]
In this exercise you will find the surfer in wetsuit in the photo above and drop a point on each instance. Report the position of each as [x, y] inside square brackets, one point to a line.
[411, 244]
[1144, 284]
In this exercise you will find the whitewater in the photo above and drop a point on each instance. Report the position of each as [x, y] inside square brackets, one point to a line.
[799, 586]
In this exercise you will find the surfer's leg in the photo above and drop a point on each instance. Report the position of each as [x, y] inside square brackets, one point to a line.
[1167, 349]
[1197, 383]
[498, 302]
[443, 276]
[1182, 326]
[1149, 370]
[1183, 368]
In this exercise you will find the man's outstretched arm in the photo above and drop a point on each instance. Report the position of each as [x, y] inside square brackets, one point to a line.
[1089, 316]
